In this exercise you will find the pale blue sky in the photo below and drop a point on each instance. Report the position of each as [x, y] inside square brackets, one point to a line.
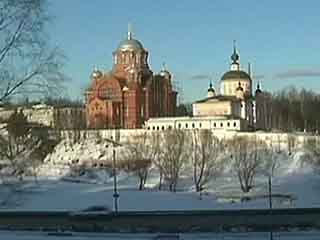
[280, 38]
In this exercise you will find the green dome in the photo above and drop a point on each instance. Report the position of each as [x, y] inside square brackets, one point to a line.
[231, 75]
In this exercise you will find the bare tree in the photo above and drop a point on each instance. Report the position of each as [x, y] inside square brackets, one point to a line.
[278, 142]
[140, 152]
[28, 64]
[139, 167]
[312, 147]
[158, 160]
[206, 158]
[247, 157]
[270, 159]
[173, 154]
[291, 143]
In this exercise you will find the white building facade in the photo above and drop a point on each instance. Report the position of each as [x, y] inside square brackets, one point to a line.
[234, 109]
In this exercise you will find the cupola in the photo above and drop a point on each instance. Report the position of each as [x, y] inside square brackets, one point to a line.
[211, 92]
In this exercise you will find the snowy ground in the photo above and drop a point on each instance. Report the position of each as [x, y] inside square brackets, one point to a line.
[212, 236]
[224, 194]
[54, 191]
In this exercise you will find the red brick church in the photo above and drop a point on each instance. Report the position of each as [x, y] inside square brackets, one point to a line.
[130, 93]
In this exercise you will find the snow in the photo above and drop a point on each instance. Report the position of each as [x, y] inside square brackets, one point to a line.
[294, 182]
[66, 195]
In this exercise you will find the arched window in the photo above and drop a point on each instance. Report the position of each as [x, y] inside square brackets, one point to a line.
[123, 58]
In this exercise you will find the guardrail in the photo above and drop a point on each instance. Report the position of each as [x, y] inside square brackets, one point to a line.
[163, 221]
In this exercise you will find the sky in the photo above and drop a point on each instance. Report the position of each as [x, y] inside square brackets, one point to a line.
[281, 39]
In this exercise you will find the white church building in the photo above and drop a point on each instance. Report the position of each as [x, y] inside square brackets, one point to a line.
[234, 109]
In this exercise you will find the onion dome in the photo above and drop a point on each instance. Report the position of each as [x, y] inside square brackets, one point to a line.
[258, 90]
[164, 72]
[96, 73]
[211, 92]
[210, 89]
[235, 73]
[239, 88]
[235, 56]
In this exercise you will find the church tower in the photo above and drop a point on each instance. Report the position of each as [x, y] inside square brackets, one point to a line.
[129, 94]
[130, 59]
[230, 80]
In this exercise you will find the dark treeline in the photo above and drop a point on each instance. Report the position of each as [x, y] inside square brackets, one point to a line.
[51, 101]
[292, 110]
[63, 102]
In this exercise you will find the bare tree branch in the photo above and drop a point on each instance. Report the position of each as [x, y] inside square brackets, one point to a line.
[25, 57]
[247, 157]
[206, 158]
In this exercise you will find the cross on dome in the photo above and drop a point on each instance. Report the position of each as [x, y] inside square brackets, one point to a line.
[129, 31]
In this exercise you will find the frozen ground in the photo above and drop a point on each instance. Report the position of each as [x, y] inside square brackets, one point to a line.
[295, 184]
[212, 236]
[223, 194]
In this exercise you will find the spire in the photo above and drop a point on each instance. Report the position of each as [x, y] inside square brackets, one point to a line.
[164, 66]
[235, 55]
[258, 85]
[249, 69]
[235, 66]
[258, 90]
[211, 92]
[129, 31]
[210, 86]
